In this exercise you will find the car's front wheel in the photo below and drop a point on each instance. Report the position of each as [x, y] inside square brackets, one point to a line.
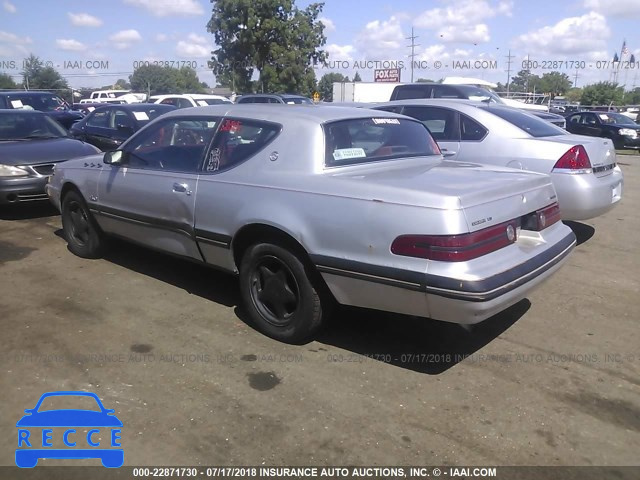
[280, 298]
[81, 231]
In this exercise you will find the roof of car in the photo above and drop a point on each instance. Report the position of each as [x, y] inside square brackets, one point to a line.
[276, 112]
[135, 106]
[26, 111]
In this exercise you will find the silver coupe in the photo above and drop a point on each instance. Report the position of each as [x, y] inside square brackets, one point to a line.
[583, 169]
[311, 206]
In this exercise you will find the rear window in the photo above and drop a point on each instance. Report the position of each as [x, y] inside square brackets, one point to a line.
[534, 126]
[364, 140]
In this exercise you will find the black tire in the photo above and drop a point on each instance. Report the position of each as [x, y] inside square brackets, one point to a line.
[83, 235]
[281, 300]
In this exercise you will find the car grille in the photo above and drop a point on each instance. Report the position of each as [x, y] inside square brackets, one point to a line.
[30, 197]
[45, 169]
[604, 168]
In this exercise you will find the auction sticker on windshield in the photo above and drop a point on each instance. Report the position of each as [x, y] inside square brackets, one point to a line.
[347, 153]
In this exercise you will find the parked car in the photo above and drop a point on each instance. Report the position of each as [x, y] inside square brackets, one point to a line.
[190, 100]
[312, 204]
[623, 132]
[31, 143]
[47, 102]
[466, 92]
[285, 98]
[584, 170]
[86, 108]
[632, 113]
[108, 126]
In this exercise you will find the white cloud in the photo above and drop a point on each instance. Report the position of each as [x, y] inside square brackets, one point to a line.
[10, 43]
[329, 26]
[462, 20]
[572, 35]
[195, 46]
[70, 45]
[478, 33]
[84, 20]
[9, 7]
[616, 8]
[340, 52]
[168, 8]
[381, 40]
[125, 38]
[161, 37]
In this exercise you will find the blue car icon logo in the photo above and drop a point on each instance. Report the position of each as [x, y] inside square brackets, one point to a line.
[79, 433]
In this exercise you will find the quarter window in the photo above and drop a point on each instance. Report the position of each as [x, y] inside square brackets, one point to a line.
[470, 130]
[238, 140]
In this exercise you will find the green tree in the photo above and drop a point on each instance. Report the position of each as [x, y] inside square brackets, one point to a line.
[556, 83]
[602, 93]
[356, 77]
[158, 80]
[632, 97]
[525, 81]
[6, 81]
[122, 84]
[36, 76]
[574, 95]
[325, 85]
[273, 37]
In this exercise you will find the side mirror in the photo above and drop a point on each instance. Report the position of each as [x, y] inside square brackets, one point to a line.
[113, 158]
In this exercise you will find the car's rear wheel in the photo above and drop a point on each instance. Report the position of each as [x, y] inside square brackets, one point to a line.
[81, 231]
[279, 295]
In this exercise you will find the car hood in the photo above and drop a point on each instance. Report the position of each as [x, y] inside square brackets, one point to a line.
[69, 418]
[33, 152]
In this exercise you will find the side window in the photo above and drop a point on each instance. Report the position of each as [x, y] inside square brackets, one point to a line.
[238, 140]
[470, 130]
[169, 101]
[589, 119]
[259, 100]
[575, 119]
[274, 100]
[441, 122]
[176, 145]
[445, 91]
[99, 119]
[183, 103]
[394, 109]
[121, 119]
[412, 91]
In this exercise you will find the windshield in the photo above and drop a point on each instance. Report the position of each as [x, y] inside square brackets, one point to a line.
[42, 103]
[480, 94]
[616, 118]
[25, 126]
[534, 126]
[366, 140]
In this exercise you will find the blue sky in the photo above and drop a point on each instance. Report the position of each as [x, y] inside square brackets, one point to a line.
[95, 43]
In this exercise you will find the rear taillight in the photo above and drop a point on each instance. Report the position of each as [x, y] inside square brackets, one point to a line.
[541, 219]
[576, 158]
[456, 248]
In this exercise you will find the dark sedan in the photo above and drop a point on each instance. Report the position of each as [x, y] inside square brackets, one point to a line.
[107, 127]
[31, 143]
[47, 102]
[624, 132]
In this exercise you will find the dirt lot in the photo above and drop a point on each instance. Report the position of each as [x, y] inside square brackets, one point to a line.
[553, 381]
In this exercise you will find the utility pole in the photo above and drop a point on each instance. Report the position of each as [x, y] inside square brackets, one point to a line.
[509, 57]
[413, 50]
[575, 79]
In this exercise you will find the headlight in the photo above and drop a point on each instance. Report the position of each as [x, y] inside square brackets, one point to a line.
[10, 171]
[627, 132]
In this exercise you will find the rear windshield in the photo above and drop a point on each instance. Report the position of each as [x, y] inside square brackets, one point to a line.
[616, 119]
[366, 140]
[534, 126]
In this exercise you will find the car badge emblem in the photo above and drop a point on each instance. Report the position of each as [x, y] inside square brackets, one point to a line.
[274, 156]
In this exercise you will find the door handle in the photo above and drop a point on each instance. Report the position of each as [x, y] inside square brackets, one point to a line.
[181, 188]
[447, 153]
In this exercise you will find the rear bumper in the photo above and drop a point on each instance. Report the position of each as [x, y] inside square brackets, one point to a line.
[584, 196]
[441, 298]
[22, 189]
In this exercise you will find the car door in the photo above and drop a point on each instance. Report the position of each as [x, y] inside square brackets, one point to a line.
[472, 133]
[97, 129]
[590, 125]
[573, 123]
[150, 196]
[443, 125]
